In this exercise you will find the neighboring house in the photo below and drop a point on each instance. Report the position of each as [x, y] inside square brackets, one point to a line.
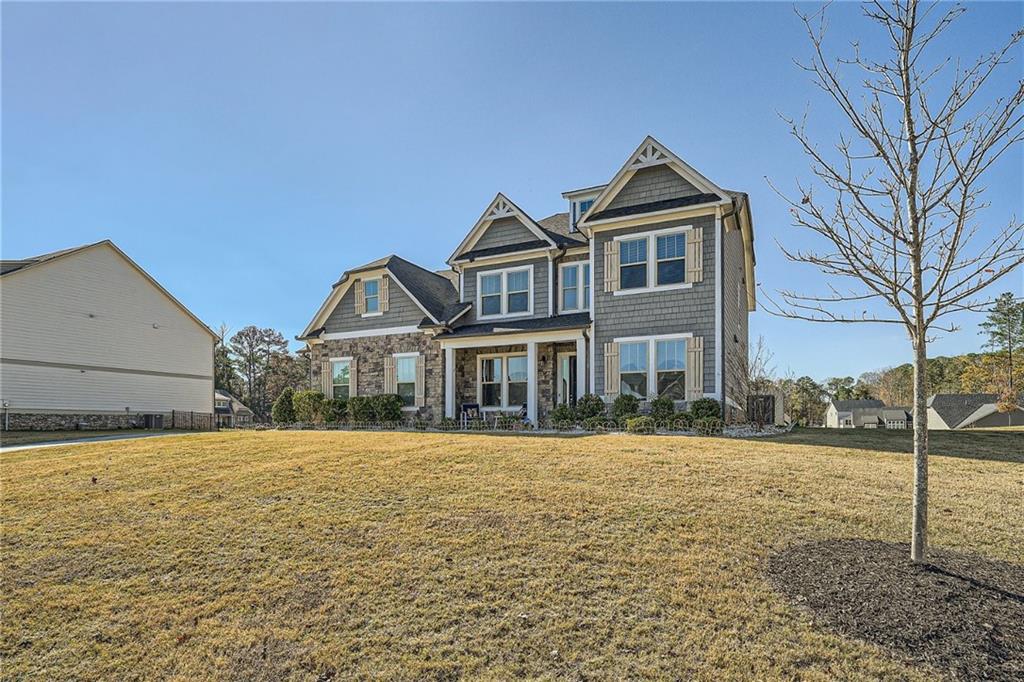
[88, 337]
[230, 411]
[969, 411]
[642, 287]
[865, 414]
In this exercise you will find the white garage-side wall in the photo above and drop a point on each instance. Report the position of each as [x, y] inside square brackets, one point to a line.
[89, 333]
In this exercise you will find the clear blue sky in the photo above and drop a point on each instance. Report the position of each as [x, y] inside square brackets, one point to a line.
[246, 155]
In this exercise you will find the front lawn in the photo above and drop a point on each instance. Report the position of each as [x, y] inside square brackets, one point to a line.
[331, 555]
[11, 438]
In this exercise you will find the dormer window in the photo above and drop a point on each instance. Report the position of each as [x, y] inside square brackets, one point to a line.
[371, 294]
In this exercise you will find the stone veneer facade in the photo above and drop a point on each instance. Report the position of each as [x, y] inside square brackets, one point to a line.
[370, 352]
[38, 421]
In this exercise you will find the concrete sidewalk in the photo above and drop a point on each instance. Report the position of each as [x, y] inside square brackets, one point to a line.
[94, 439]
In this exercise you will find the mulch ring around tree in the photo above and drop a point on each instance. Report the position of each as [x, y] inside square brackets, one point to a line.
[960, 613]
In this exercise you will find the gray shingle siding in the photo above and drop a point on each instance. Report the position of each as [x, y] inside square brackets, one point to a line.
[735, 318]
[653, 184]
[540, 286]
[662, 312]
[503, 232]
[402, 312]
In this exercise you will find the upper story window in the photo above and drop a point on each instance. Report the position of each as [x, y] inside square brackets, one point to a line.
[671, 259]
[633, 263]
[575, 285]
[340, 378]
[505, 292]
[371, 295]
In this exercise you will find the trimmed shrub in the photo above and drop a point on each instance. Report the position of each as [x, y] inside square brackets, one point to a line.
[448, 424]
[625, 406]
[334, 410]
[562, 414]
[681, 420]
[420, 424]
[662, 409]
[307, 406]
[588, 406]
[283, 412]
[387, 407]
[506, 422]
[705, 408]
[599, 423]
[360, 409]
[640, 425]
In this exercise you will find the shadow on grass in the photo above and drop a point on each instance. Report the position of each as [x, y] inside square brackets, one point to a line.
[1000, 446]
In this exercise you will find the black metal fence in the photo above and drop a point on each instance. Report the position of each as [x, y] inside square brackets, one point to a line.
[193, 421]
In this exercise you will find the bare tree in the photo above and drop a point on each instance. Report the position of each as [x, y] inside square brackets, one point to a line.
[897, 200]
[759, 367]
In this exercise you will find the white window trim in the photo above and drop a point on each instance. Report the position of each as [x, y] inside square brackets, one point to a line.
[582, 305]
[348, 359]
[378, 312]
[413, 354]
[504, 272]
[652, 260]
[652, 356]
[504, 407]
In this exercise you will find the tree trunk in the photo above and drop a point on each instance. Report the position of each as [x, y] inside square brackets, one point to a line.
[919, 539]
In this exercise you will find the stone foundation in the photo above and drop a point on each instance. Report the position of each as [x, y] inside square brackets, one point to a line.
[25, 421]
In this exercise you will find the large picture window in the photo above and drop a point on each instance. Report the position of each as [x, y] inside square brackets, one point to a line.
[575, 283]
[633, 369]
[340, 379]
[671, 368]
[505, 292]
[405, 371]
[633, 263]
[503, 381]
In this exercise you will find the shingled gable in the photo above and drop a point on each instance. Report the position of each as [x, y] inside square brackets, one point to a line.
[499, 209]
[650, 154]
[434, 294]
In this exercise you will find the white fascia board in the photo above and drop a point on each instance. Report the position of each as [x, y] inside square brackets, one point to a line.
[487, 340]
[367, 333]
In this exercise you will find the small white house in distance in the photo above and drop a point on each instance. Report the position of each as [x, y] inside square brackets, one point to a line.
[89, 339]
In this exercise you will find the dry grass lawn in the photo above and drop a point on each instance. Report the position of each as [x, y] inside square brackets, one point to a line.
[10, 438]
[319, 555]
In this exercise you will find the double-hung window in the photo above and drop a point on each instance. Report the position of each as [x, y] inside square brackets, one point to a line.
[671, 259]
[671, 368]
[405, 378]
[633, 263]
[505, 292]
[503, 381]
[575, 281]
[633, 369]
[371, 295]
[340, 378]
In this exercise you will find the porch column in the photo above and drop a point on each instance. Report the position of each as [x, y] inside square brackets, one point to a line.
[581, 366]
[531, 382]
[449, 383]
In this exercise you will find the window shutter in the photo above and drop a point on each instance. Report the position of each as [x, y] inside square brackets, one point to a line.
[326, 380]
[611, 266]
[611, 370]
[421, 381]
[353, 386]
[384, 293]
[695, 368]
[360, 297]
[695, 255]
[390, 379]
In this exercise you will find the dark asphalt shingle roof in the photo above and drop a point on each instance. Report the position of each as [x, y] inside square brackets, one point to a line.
[954, 408]
[505, 248]
[434, 292]
[557, 227]
[895, 414]
[849, 405]
[651, 207]
[572, 321]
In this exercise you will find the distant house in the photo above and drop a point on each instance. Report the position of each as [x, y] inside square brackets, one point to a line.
[969, 411]
[865, 414]
[230, 411]
[88, 338]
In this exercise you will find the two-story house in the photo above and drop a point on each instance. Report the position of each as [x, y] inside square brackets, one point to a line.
[643, 287]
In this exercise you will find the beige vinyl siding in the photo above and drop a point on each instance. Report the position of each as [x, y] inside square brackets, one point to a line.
[93, 310]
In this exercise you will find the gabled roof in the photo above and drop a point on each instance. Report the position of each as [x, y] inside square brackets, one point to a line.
[570, 321]
[10, 267]
[651, 207]
[432, 292]
[650, 153]
[500, 207]
[954, 408]
[558, 228]
[850, 405]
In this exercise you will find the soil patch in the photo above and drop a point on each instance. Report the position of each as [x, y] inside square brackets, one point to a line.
[962, 614]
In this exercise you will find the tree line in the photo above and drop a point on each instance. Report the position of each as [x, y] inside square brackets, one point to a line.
[255, 365]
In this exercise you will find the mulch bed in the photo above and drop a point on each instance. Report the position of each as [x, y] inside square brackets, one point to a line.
[962, 614]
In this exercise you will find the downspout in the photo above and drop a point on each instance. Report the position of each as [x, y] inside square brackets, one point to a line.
[721, 302]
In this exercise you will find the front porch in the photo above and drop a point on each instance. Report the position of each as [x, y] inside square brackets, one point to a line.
[504, 373]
